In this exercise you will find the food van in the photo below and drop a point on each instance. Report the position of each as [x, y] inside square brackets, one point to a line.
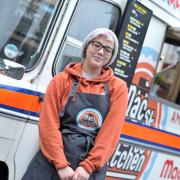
[38, 38]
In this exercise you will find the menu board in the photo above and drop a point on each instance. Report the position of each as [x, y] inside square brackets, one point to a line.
[131, 37]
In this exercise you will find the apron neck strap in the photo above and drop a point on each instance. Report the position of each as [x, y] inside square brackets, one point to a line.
[74, 88]
[72, 92]
[106, 88]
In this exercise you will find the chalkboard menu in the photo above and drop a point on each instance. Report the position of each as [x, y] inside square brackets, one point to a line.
[131, 37]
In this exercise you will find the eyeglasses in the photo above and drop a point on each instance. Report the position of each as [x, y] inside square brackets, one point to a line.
[98, 46]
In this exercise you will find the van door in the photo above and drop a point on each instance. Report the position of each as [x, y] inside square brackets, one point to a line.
[27, 29]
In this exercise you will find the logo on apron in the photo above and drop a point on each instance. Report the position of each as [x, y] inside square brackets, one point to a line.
[89, 118]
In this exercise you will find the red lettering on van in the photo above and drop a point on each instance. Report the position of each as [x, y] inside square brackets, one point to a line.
[176, 118]
[175, 3]
[171, 1]
[170, 171]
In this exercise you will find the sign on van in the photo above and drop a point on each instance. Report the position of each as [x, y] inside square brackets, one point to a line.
[170, 6]
[131, 38]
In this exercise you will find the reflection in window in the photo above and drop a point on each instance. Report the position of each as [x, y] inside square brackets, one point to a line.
[70, 54]
[167, 84]
[22, 29]
[97, 14]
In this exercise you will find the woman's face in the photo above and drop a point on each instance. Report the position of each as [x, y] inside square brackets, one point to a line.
[99, 52]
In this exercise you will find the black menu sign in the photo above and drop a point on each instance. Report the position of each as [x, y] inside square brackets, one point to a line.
[131, 38]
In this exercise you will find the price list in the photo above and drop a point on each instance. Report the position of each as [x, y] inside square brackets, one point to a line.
[131, 38]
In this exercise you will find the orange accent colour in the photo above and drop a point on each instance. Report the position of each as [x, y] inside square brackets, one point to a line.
[19, 100]
[152, 135]
[146, 66]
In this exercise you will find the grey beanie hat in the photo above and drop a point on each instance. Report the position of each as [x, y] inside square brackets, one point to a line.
[97, 32]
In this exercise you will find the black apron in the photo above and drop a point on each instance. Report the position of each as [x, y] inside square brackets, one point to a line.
[81, 119]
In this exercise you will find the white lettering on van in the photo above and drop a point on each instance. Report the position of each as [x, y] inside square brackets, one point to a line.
[138, 107]
[128, 158]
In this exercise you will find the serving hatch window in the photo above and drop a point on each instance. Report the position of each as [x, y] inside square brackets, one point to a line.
[166, 83]
[22, 28]
[89, 15]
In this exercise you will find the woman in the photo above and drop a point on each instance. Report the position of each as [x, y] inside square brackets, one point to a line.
[82, 115]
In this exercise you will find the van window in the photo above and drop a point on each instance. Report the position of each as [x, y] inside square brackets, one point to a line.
[22, 27]
[166, 83]
[89, 15]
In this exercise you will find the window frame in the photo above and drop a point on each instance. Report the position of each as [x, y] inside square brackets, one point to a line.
[115, 3]
[42, 44]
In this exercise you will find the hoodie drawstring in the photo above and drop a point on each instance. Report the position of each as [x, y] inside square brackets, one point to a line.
[77, 85]
[72, 96]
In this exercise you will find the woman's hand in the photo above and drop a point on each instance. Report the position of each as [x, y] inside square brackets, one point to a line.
[66, 173]
[80, 174]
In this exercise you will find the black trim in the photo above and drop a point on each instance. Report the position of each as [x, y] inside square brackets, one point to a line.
[173, 41]
[4, 171]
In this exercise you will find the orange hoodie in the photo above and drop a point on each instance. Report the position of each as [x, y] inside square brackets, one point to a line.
[57, 93]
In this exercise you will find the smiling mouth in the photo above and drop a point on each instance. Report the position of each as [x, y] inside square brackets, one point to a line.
[98, 58]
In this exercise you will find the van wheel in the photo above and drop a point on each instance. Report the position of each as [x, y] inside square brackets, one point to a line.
[3, 171]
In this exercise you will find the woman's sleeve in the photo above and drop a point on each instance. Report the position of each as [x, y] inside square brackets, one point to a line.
[51, 142]
[110, 131]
